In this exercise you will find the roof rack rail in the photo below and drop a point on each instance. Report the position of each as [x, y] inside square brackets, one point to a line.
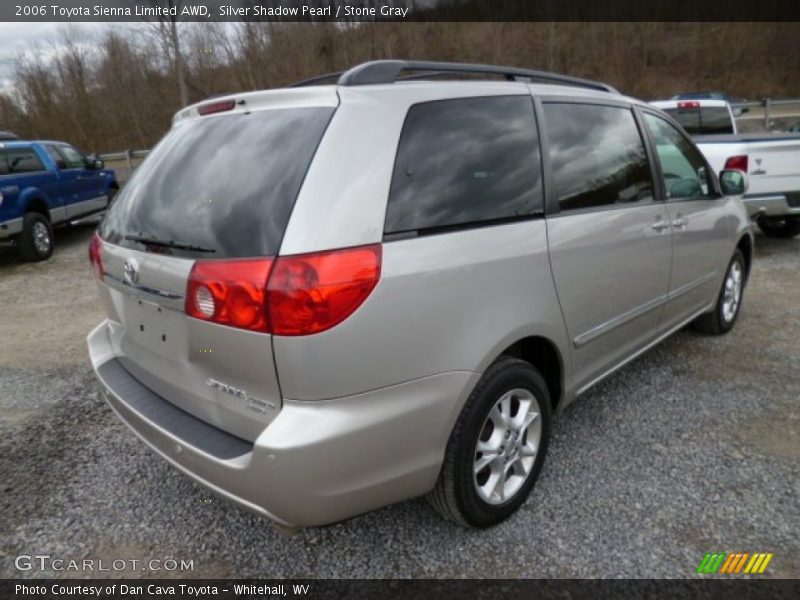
[387, 71]
[316, 80]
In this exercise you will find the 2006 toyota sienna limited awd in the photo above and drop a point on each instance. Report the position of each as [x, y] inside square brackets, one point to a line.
[325, 299]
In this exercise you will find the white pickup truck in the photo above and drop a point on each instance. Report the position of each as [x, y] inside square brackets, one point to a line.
[771, 160]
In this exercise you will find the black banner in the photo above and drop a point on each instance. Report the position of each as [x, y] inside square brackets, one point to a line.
[352, 11]
[405, 589]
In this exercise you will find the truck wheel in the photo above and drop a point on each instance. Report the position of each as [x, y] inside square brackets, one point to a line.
[36, 240]
[779, 227]
[496, 448]
[722, 318]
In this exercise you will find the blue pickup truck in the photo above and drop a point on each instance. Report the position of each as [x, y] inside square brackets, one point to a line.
[43, 184]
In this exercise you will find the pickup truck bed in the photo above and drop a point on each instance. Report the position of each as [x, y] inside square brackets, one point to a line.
[772, 164]
[771, 161]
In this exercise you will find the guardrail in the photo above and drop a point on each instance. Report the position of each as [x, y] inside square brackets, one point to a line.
[128, 156]
[768, 105]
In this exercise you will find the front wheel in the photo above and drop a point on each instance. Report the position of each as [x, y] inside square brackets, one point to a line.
[36, 240]
[496, 448]
[779, 227]
[722, 318]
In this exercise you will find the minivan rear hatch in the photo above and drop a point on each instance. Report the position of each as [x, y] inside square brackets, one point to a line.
[221, 188]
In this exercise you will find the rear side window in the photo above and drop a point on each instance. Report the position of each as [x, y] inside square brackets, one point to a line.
[597, 156]
[3, 163]
[700, 121]
[23, 160]
[226, 184]
[465, 161]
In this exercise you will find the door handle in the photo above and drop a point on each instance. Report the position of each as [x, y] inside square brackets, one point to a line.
[659, 225]
[680, 222]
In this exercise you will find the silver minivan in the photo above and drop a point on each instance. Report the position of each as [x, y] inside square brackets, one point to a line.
[324, 299]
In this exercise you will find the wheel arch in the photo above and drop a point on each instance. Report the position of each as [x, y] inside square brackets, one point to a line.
[745, 244]
[38, 204]
[543, 354]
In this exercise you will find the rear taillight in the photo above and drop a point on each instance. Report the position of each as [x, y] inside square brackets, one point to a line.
[96, 255]
[230, 292]
[290, 295]
[688, 105]
[310, 293]
[739, 163]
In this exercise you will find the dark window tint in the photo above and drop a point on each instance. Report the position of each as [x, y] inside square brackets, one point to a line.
[226, 183]
[3, 164]
[698, 121]
[597, 156]
[23, 160]
[464, 161]
[682, 167]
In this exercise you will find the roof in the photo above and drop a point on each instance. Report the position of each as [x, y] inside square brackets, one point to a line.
[25, 143]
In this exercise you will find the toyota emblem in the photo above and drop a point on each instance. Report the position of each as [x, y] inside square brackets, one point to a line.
[131, 271]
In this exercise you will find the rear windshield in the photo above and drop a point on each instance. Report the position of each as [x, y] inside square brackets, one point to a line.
[699, 121]
[219, 186]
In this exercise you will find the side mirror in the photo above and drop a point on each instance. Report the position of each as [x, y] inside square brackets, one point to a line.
[92, 162]
[61, 164]
[733, 182]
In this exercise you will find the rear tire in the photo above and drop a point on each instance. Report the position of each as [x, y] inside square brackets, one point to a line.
[36, 240]
[497, 447]
[729, 302]
[779, 227]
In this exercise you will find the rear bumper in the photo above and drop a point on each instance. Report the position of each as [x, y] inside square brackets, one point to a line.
[316, 462]
[10, 228]
[770, 205]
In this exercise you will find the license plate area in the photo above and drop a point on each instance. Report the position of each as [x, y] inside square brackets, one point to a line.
[158, 329]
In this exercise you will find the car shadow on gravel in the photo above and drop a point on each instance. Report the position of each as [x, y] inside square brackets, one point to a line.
[65, 237]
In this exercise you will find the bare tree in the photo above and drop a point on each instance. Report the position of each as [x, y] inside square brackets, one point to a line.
[165, 29]
[121, 91]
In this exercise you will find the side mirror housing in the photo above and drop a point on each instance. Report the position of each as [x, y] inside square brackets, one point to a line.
[92, 162]
[733, 182]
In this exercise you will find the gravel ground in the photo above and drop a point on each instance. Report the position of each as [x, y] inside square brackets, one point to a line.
[693, 448]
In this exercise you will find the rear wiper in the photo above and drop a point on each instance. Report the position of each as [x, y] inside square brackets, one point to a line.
[167, 243]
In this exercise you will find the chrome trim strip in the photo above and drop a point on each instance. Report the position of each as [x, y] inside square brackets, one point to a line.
[619, 320]
[638, 311]
[167, 299]
[10, 227]
[644, 349]
[58, 214]
[78, 209]
[765, 198]
[688, 287]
